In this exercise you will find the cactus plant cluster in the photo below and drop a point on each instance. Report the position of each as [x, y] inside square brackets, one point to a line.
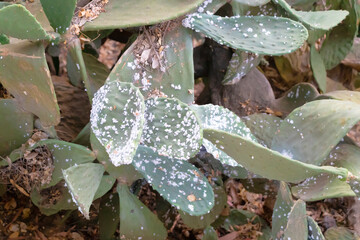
[145, 125]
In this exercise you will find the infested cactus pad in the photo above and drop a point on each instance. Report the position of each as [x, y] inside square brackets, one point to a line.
[260, 34]
[117, 119]
[217, 117]
[171, 128]
[179, 182]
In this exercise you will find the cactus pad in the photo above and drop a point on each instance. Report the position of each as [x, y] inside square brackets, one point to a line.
[217, 117]
[65, 155]
[59, 13]
[311, 131]
[171, 128]
[179, 182]
[314, 230]
[253, 3]
[240, 64]
[25, 74]
[83, 181]
[170, 72]
[318, 68]
[17, 127]
[282, 208]
[265, 162]
[297, 222]
[263, 127]
[200, 222]
[117, 118]
[124, 14]
[260, 34]
[147, 226]
[126, 173]
[12, 15]
[323, 20]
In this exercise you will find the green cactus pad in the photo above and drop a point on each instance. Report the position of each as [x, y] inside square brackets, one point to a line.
[218, 154]
[297, 225]
[25, 74]
[126, 173]
[310, 132]
[117, 119]
[339, 40]
[147, 226]
[314, 230]
[210, 234]
[96, 71]
[63, 202]
[345, 95]
[265, 162]
[83, 181]
[109, 216]
[201, 222]
[179, 182]
[339, 233]
[318, 68]
[321, 187]
[124, 14]
[17, 127]
[175, 78]
[282, 208]
[324, 20]
[261, 34]
[217, 117]
[297, 96]
[107, 181]
[327, 185]
[83, 138]
[11, 15]
[64, 155]
[253, 3]
[263, 127]
[240, 64]
[85, 67]
[35, 8]
[171, 128]
[59, 13]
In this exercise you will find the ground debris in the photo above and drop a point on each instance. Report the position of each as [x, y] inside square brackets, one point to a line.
[32, 170]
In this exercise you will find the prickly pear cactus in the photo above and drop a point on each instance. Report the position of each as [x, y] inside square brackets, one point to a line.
[117, 119]
[11, 15]
[260, 34]
[147, 226]
[83, 181]
[177, 181]
[171, 128]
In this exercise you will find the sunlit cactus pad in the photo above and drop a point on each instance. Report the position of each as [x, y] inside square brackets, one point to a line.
[179, 182]
[117, 119]
[171, 128]
[260, 34]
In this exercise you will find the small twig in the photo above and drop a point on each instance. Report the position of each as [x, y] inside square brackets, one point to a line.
[177, 218]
